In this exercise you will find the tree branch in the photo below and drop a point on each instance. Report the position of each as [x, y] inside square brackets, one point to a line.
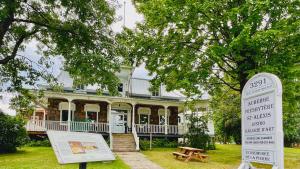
[225, 83]
[59, 28]
[16, 47]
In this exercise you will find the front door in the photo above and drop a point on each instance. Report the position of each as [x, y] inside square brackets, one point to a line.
[119, 120]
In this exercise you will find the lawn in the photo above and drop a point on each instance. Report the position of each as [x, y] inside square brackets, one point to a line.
[224, 157]
[44, 158]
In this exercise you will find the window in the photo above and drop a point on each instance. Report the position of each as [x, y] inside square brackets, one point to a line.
[65, 114]
[162, 119]
[179, 119]
[91, 115]
[144, 119]
[125, 117]
[64, 111]
[120, 87]
[144, 115]
[155, 93]
[91, 112]
[80, 87]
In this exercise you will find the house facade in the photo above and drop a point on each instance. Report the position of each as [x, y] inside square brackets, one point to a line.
[136, 111]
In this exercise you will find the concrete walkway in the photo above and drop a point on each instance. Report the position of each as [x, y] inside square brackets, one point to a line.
[137, 160]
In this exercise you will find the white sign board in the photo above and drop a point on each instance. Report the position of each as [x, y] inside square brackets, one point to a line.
[262, 135]
[77, 147]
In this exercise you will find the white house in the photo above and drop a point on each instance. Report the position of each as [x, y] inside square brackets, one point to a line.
[137, 111]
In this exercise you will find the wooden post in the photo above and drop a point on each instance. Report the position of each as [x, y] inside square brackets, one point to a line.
[82, 165]
[150, 140]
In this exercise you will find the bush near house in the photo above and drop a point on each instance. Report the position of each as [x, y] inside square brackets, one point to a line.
[197, 136]
[12, 133]
[158, 143]
[39, 143]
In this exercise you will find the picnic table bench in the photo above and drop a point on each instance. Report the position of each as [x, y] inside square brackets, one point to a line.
[190, 153]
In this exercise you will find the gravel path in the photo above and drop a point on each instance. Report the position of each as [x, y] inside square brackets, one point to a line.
[137, 160]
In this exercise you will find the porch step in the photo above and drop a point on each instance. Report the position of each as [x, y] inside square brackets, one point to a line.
[123, 143]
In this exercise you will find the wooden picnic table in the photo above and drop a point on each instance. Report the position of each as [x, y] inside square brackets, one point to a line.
[190, 153]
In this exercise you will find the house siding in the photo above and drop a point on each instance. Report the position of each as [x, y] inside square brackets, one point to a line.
[53, 110]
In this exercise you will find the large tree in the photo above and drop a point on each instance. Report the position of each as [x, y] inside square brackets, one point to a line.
[215, 43]
[79, 31]
[199, 45]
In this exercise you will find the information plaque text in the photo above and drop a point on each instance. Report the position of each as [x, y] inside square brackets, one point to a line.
[78, 147]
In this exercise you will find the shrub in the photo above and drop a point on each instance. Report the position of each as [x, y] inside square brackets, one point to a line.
[12, 133]
[144, 144]
[39, 143]
[158, 143]
[197, 136]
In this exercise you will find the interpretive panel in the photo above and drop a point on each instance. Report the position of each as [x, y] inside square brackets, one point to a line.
[77, 147]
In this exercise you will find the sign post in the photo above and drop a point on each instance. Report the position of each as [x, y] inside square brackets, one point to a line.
[262, 134]
[78, 147]
[82, 165]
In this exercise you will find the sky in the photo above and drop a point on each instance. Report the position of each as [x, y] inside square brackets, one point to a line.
[131, 18]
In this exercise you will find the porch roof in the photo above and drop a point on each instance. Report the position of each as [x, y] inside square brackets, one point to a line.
[113, 99]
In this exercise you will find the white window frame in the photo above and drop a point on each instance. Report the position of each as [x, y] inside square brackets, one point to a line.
[80, 87]
[144, 111]
[65, 106]
[155, 93]
[92, 108]
[161, 112]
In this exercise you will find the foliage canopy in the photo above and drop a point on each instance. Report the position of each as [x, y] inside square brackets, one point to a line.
[77, 30]
[213, 45]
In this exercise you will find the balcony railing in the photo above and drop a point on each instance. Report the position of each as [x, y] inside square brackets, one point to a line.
[159, 129]
[40, 125]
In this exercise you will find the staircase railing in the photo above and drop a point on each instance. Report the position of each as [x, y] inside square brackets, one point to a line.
[136, 139]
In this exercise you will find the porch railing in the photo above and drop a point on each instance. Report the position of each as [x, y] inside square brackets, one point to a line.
[40, 125]
[152, 128]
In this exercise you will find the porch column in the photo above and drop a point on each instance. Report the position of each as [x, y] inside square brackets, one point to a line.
[110, 125]
[34, 115]
[69, 115]
[184, 121]
[44, 118]
[97, 117]
[166, 119]
[133, 116]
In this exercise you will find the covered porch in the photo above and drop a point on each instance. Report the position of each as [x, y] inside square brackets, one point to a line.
[102, 114]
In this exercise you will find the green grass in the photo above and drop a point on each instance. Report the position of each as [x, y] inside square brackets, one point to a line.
[44, 158]
[224, 157]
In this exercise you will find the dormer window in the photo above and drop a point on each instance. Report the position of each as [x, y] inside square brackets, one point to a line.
[120, 87]
[80, 87]
[155, 93]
